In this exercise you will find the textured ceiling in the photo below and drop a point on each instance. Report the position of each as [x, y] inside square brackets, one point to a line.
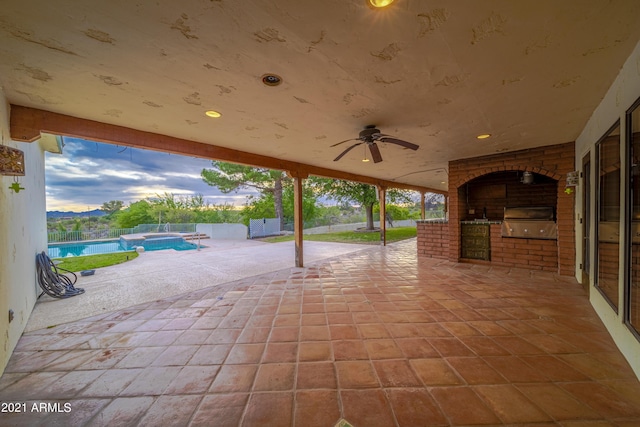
[435, 73]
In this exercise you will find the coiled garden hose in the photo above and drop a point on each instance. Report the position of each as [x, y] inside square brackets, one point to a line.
[52, 282]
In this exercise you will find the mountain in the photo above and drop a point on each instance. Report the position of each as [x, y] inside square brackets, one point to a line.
[69, 214]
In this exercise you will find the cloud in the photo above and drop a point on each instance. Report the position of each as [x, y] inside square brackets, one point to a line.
[184, 175]
[146, 191]
[129, 175]
[88, 174]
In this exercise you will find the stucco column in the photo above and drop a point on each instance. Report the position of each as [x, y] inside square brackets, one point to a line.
[422, 213]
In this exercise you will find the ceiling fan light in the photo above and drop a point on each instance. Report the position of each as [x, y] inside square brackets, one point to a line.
[365, 160]
[380, 3]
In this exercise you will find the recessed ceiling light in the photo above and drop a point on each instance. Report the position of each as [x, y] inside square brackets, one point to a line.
[443, 182]
[212, 113]
[380, 3]
[483, 136]
[271, 79]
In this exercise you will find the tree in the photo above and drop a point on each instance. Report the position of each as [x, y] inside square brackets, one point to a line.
[433, 201]
[112, 207]
[395, 212]
[263, 207]
[228, 177]
[309, 210]
[178, 209]
[219, 214]
[355, 192]
[137, 213]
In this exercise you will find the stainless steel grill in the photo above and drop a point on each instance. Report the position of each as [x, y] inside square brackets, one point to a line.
[535, 222]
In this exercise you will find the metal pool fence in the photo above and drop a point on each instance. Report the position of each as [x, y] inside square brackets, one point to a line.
[78, 236]
[114, 233]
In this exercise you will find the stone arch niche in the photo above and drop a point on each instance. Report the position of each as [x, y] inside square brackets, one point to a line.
[486, 196]
[495, 181]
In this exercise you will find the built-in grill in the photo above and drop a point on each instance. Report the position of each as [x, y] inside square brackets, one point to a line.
[533, 222]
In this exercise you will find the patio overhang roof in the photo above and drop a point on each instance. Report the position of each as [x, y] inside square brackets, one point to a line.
[439, 74]
[28, 124]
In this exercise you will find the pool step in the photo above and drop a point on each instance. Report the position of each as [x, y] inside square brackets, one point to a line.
[194, 236]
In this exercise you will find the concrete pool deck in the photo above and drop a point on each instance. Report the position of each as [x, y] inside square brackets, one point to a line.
[159, 274]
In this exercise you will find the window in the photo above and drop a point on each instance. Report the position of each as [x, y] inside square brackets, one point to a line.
[632, 291]
[608, 212]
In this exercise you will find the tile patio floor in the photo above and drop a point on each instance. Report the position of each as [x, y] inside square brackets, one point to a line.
[376, 337]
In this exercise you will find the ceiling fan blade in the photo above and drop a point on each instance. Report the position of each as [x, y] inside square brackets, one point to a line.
[346, 151]
[346, 140]
[399, 142]
[375, 153]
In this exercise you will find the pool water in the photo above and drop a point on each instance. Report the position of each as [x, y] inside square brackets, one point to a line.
[62, 250]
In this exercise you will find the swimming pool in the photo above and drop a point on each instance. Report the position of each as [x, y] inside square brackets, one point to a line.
[62, 250]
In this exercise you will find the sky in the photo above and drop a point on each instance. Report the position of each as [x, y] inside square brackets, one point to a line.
[88, 174]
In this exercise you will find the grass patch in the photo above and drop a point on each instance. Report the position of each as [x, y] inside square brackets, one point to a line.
[90, 262]
[393, 235]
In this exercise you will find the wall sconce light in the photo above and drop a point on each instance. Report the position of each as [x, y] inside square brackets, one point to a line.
[527, 178]
[573, 178]
[11, 161]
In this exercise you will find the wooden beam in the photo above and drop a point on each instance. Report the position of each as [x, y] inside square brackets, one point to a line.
[446, 205]
[28, 123]
[382, 193]
[298, 222]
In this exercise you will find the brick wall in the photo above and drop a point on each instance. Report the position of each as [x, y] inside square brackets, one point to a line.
[533, 254]
[551, 161]
[433, 239]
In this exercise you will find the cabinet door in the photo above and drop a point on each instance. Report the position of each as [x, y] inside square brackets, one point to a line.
[481, 230]
[476, 242]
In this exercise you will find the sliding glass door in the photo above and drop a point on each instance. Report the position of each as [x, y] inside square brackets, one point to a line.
[608, 215]
[632, 287]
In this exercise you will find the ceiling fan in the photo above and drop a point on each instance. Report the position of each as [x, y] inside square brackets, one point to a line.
[369, 135]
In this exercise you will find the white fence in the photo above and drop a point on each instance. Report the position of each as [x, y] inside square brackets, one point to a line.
[264, 227]
[223, 231]
[355, 226]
